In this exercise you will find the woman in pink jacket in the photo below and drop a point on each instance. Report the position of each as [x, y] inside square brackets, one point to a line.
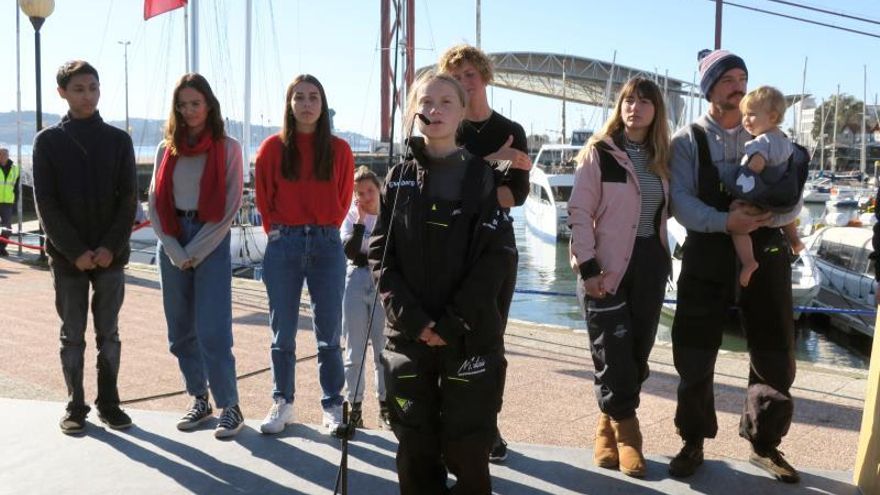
[617, 213]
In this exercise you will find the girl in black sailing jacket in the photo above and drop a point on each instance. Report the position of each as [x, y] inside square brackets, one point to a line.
[439, 252]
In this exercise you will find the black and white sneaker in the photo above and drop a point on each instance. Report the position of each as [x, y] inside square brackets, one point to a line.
[199, 411]
[73, 422]
[231, 422]
[384, 415]
[498, 454]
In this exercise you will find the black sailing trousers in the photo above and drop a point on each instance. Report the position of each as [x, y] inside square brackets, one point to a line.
[622, 327]
[443, 411]
[705, 292]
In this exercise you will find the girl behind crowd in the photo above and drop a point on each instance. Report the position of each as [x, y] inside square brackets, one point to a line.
[360, 296]
[304, 184]
[440, 251]
[617, 212]
[194, 196]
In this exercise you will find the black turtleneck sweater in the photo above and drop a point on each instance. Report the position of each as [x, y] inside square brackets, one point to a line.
[85, 186]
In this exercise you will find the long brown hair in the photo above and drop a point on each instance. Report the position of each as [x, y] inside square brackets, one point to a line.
[175, 127]
[291, 160]
[658, 134]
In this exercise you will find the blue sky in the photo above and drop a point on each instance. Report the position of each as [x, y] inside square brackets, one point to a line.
[338, 41]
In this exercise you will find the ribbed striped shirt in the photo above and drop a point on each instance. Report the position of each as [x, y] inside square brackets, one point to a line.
[652, 190]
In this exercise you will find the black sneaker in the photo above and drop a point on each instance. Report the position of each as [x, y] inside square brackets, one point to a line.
[115, 418]
[688, 459]
[73, 422]
[384, 415]
[356, 415]
[199, 411]
[499, 450]
[4, 253]
[231, 422]
[772, 461]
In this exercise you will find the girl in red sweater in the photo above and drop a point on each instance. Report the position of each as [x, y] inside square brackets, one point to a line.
[304, 185]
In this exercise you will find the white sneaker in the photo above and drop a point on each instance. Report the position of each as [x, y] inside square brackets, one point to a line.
[280, 415]
[333, 419]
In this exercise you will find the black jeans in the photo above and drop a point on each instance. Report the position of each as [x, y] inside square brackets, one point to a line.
[443, 408]
[72, 303]
[705, 291]
[622, 327]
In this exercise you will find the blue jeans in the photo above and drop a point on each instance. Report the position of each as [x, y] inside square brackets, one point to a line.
[198, 309]
[360, 294]
[312, 254]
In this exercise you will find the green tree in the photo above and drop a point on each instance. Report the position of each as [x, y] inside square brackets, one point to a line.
[848, 113]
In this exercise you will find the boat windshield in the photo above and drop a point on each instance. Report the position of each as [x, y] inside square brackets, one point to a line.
[560, 161]
[561, 193]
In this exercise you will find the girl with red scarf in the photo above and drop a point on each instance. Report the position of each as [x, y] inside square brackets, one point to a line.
[304, 185]
[194, 196]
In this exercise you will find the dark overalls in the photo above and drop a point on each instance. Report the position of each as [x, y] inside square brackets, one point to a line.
[706, 291]
[443, 400]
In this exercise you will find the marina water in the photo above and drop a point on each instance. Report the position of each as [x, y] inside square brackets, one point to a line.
[544, 266]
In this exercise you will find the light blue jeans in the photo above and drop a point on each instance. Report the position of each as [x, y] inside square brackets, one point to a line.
[310, 254]
[360, 293]
[198, 309]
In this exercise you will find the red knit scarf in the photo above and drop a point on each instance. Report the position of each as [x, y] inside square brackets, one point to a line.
[212, 186]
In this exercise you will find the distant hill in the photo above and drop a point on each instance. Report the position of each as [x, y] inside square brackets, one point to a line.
[148, 132]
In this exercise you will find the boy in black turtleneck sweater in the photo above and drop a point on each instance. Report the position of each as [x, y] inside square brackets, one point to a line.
[85, 189]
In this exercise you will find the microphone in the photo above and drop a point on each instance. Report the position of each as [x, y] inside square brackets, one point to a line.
[425, 120]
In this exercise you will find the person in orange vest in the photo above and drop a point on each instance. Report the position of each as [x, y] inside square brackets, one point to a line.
[9, 176]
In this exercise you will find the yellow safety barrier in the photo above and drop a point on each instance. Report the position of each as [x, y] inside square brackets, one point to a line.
[867, 470]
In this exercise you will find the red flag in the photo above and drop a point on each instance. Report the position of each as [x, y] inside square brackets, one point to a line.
[156, 7]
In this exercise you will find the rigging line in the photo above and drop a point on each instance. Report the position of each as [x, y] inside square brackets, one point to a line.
[275, 41]
[801, 19]
[376, 51]
[106, 28]
[164, 46]
[433, 48]
[824, 11]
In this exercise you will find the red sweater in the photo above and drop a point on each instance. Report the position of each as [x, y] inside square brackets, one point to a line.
[305, 201]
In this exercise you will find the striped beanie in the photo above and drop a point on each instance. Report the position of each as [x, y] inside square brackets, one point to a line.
[713, 65]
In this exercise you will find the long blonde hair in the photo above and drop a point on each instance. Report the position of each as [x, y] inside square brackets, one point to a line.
[412, 104]
[658, 134]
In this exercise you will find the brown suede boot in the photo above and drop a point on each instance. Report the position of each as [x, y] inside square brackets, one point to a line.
[605, 451]
[629, 446]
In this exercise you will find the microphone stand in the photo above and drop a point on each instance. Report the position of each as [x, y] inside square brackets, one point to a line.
[346, 430]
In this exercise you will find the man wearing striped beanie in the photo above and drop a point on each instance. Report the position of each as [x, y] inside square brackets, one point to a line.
[702, 153]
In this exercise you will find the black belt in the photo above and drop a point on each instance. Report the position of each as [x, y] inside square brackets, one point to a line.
[192, 214]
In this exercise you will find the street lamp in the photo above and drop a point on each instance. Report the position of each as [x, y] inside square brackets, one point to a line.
[37, 11]
[125, 47]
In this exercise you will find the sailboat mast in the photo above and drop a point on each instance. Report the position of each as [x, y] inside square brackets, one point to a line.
[478, 24]
[607, 96]
[864, 158]
[194, 36]
[186, 65]
[563, 102]
[800, 117]
[834, 132]
[822, 137]
[246, 128]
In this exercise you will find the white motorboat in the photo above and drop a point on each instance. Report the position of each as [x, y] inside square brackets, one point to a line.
[804, 279]
[845, 268]
[551, 181]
